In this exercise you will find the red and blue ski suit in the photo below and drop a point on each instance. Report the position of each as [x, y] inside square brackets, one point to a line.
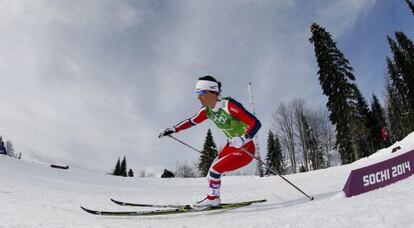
[234, 120]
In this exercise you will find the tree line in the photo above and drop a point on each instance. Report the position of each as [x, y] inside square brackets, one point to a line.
[121, 169]
[362, 129]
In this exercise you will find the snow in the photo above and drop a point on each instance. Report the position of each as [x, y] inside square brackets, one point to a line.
[35, 195]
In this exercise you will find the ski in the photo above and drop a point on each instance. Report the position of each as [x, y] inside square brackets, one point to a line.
[134, 213]
[130, 204]
[181, 210]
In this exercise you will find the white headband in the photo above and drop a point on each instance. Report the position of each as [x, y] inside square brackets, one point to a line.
[207, 85]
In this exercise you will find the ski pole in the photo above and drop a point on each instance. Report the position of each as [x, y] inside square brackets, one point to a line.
[261, 162]
[277, 173]
[188, 146]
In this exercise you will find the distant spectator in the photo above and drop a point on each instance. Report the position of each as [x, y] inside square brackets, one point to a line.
[385, 137]
[384, 134]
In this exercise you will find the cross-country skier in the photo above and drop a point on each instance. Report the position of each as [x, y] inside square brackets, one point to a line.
[239, 125]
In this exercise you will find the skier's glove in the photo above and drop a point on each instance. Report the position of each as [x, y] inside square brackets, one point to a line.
[167, 132]
[237, 142]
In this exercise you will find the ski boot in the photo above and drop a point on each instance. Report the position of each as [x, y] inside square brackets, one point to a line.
[206, 203]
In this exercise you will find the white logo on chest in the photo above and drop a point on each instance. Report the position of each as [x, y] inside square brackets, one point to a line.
[219, 118]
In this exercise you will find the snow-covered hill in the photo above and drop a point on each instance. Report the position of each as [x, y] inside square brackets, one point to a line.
[34, 195]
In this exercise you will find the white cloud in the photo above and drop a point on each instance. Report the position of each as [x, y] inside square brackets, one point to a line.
[340, 16]
[87, 82]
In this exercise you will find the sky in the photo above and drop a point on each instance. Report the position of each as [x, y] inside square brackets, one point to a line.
[84, 83]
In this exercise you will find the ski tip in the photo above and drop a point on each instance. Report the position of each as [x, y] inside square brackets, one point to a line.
[89, 211]
[117, 202]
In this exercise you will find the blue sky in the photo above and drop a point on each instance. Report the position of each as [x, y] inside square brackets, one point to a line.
[84, 83]
[366, 46]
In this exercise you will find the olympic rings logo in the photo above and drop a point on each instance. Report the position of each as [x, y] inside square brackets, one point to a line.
[219, 118]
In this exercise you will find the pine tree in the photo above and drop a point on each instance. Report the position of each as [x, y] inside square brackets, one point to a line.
[271, 152]
[209, 152]
[403, 51]
[395, 104]
[117, 170]
[124, 167]
[344, 99]
[130, 173]
[411, 5]
[364, 129]
[280, 160]
[274, 157]
[405, 62]
[401, 86]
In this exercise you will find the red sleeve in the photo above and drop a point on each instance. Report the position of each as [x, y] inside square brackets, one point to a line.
[237, 110]
[198, 118]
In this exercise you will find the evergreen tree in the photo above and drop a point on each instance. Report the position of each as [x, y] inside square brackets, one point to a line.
[117, 170]
[411, 5]
[405, 63]
[271, 159]
[280, 160]
[130, 173]
[403, 51]
[395, 105]
[209, 152]
[401, 86]
[364, 130]
[378, 122]
[274, 157]
[124, 167]
[345, 102]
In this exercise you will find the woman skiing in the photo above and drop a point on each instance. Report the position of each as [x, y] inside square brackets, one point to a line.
[239, 125]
